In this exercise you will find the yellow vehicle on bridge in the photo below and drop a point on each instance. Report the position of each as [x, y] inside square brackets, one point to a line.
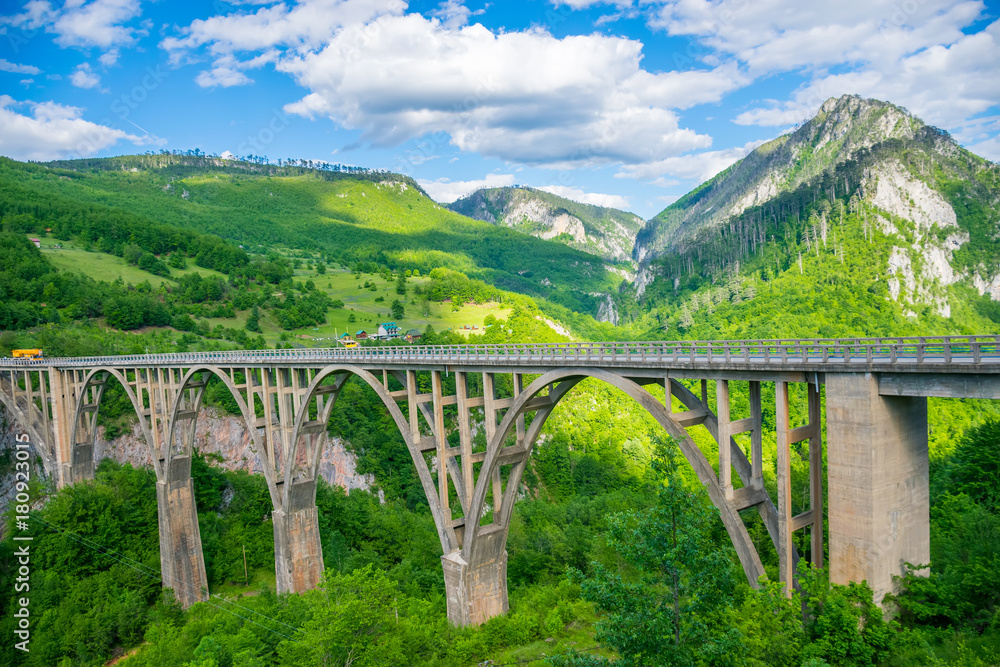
[26, 354]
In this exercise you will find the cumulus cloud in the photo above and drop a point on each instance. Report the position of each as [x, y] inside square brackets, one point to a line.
[445, 190]
[7, 66]
[594, 198]
[943, 85]
[110, 59]
[99, 23]
[84, 77]
[917, 54]
[54, 131]
[529, 97]
[526, 97]
[697, 166]
[454, 13]
[307, 24]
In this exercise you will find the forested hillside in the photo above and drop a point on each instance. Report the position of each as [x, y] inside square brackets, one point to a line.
[349, 218]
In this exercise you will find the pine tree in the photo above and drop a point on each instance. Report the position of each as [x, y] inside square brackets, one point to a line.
[253, 322]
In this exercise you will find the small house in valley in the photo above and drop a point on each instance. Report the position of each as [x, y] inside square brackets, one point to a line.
[388, 331]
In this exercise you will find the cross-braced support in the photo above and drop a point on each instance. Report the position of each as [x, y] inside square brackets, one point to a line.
[812, 517]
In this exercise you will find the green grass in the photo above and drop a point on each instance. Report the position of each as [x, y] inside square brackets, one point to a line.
[102, 266]
[258, 578]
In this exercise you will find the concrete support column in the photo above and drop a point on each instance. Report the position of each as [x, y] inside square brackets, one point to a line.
[476, 593]
[83, 464]
[182, 563]
[298, 554]
[877, 480]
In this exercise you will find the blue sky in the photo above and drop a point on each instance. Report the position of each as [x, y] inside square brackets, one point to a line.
[628, 103]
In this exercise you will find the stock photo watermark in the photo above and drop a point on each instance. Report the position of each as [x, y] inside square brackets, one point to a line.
[22, 553]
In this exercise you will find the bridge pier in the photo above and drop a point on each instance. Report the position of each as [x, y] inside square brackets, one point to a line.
[298, 554]
[477, 591]
[182, 562]
[877, 476]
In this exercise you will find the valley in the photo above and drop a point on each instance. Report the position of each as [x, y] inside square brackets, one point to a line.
[862, 222]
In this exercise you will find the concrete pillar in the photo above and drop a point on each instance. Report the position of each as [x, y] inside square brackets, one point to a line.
[182, 563]
[83, 464]
[877, 477]
[298, 554]
[476, 591]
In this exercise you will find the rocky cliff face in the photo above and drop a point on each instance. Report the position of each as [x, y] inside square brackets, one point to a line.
[227, 436]
[605, 232]
[919, 269]
[216, 433]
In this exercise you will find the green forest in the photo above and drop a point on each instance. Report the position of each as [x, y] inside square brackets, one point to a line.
[615, 554]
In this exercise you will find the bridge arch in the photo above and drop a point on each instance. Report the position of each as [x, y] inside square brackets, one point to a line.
[83, 435]
[472, 551]
[313, 450]
[186, 382]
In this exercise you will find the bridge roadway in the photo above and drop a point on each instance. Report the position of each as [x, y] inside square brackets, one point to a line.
[875, 473]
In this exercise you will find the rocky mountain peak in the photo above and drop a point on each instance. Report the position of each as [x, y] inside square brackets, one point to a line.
[842, 128]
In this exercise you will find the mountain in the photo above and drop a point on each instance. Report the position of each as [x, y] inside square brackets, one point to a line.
[606, 232]
[864, 220]
[843, 127]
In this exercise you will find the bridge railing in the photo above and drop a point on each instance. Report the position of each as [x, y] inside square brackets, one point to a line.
[919, 350]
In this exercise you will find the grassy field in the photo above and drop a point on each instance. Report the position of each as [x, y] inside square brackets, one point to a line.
[101, 266]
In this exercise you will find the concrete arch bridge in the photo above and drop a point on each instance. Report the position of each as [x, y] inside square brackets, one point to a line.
[875, 482]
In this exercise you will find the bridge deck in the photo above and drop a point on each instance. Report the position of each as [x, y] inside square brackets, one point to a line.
[773, 359]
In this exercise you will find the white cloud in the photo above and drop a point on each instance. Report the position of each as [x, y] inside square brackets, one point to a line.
[531, 98]
[84, 77]
[526, 97]
[307, 24]
[100, 23]
[7, 66]
[110, 59]
[446, 191]
[697, 166]
[585, 4]
[54, 131]
[225, 73]
[943, 85]
[916, 54]
[594, 198]
[454, 13]
[988, 148]
[781, 35]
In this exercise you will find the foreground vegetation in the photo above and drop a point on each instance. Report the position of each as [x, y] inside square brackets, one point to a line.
[649, 570]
